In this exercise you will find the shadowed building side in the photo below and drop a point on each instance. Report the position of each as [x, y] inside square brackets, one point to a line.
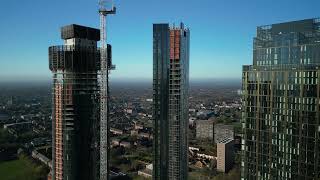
[170, 101]
[160, 100]
[75, 114]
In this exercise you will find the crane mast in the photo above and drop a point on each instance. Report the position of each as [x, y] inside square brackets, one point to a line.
[105, 68]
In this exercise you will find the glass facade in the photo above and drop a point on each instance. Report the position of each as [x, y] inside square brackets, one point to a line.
[281, 103]
[170, 97]
[75, 114]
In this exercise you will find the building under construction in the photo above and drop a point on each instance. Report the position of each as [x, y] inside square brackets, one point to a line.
[76, 104]
[170, 101]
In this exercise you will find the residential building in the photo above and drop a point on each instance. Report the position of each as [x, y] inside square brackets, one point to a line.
[125, 144]
[204, 129]
[75, 112]
[225, 155]
[280, 92]
[170, 101]
[146, 172]
[223, 131]
[116, 131]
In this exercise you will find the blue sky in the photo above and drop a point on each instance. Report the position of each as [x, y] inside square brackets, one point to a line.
[221, 32]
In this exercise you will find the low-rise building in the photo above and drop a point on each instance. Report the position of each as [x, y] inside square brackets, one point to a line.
[138, 126]
[116, 131]
[145, 135]
[129, 111]
[149, 100]
[20, 125]
[125, 144]
[42, 158]
[147, 172]
[115, 142]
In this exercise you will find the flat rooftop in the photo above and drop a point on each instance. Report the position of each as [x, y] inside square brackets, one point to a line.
[306, 25]
[225, 141]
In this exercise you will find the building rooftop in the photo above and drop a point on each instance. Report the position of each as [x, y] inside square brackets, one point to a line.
[181, 26]
[78, 31]
[225, 141]
[205, 121]
[306, 25]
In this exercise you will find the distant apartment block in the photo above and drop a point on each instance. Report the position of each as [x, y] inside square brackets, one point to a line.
[170, 101]
[222, 131]
[204, 129]
[280, 92]
[225, 155]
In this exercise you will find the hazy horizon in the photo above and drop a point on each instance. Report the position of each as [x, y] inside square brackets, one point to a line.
[131, 82]
[124, 80]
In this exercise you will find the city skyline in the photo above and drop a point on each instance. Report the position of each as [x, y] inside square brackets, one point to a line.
[241, 101]
[216, 33]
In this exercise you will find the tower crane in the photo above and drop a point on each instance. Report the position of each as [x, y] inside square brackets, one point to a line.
[105, 67]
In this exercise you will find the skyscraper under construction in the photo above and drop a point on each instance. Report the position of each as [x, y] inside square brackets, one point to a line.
[170, 101]
[281, 97]
[75, 116]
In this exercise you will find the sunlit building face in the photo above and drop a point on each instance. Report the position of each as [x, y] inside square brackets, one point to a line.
[280, 122]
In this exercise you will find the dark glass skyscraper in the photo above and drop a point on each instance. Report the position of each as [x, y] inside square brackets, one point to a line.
[170, 101]
[75, 113]
[281, 101]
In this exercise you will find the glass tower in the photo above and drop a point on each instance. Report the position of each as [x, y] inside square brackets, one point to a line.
[281, 100]
[170, 97]
[75, 113]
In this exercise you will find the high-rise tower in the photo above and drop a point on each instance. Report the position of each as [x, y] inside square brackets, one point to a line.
[281, 96]
[170, 101]
[75, 112]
